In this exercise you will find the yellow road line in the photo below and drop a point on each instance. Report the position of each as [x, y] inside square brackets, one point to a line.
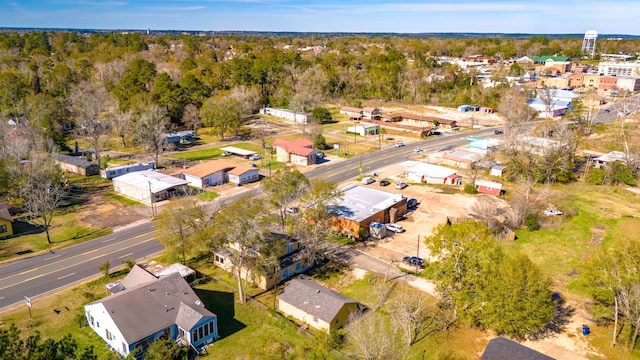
[70, 266]
[73, 257]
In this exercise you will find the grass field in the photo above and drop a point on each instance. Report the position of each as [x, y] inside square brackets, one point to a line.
[562, 242]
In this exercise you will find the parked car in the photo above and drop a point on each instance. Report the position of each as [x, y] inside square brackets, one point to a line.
[255, 157]
[411, 203]
[368, 180]
[417, 150]
[401, 185]
[384, 182]
[553, 212]
[395, 228]
[226, 153]
[292, 210]
[399, 144]
[498, 132]
[320, 155]
[413, 261]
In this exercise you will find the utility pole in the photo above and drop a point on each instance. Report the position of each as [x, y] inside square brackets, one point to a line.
[153, 209]
[418, 254]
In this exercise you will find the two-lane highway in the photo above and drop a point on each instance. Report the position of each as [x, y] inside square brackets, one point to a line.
[47, 272]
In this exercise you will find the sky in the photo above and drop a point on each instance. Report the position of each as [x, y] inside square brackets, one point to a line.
[402, 16]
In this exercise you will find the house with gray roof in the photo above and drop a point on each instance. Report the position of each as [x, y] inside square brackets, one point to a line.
[504, 349]
[150, 308]
[315, 305]
[76, 164]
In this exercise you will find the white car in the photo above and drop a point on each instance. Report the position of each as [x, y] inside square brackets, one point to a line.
[553, 212]
[395, 228]
[417, 150]
[399, 144]
[401, 185]
[368, 180]
[226, 153]
[255, 157]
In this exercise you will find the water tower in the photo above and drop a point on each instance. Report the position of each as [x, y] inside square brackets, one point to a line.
[589, 43]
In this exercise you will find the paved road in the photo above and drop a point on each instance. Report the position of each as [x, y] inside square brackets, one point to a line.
[44, 273]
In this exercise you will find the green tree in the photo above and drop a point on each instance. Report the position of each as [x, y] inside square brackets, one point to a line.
[178, 226]
[222, 113]
[319, 142]
[137, 79]
[320, 114]
[485, 285]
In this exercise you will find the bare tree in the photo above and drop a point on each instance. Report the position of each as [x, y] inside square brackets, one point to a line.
[240, 227]
[484, 208]
[150, 129]
[90, 104]
[42, 190]
[121, 123]
[515, 109]
[416, 317]
[315, 228]
[286, 186]
[178, 226]
[191, 117]
[374, 338]
[525, 200]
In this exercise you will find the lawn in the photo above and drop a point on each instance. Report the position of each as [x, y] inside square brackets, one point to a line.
[196, 155]
[595, 216]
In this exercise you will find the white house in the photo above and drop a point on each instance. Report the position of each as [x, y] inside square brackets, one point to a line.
[208, 173]
[149, 186]
[364, 129]
[115, 171]
[299, 117]
[611, 157]
[150, 308]
[243, 175]
[431, 174]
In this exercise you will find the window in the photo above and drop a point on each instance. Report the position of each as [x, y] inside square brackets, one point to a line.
[315, 319]
[109, 335]
[3, 229]
[200, 333]
[194, 336]
[206, 330]
[97, 323]
[91, 319]
[211, 331]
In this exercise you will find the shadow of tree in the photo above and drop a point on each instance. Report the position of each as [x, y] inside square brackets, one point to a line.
[223, 305]
[559, 322]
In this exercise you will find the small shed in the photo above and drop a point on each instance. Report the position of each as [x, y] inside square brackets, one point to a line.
[489, 187]
[76, 164]
[238, 151]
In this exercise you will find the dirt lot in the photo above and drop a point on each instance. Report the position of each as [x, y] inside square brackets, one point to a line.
[101, 212]
[435, 206]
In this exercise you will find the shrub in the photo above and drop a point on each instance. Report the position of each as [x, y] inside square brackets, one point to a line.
[470, 189]
[531, 222]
